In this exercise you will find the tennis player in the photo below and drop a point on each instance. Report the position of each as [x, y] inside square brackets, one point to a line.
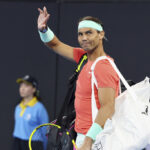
[90, 37]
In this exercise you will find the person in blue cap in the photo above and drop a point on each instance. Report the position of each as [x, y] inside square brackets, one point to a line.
[29, 114]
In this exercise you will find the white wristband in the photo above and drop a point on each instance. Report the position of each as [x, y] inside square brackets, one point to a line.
[47, 36]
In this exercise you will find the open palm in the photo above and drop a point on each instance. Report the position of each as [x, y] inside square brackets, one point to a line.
[43, 18]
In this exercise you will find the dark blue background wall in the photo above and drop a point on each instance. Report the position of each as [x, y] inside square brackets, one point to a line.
[127, 27]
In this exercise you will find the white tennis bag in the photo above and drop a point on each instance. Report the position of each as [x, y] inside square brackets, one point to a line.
[129, 128]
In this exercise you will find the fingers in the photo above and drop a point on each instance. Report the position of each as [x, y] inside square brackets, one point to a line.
[45, 11]
[40, 11]
[46, 20]
[47, 17]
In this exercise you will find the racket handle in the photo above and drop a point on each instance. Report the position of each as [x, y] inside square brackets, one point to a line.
[74, 145]
[74, 148]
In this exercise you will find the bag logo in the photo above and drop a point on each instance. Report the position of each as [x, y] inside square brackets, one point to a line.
[99, 146]
[146, 111]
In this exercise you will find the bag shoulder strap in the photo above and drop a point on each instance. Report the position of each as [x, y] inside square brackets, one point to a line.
[93, 81]
[117, 71]
[71, 88]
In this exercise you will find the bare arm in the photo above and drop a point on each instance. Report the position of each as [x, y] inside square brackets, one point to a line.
[107, 101]
[57, 46]
[61, 48]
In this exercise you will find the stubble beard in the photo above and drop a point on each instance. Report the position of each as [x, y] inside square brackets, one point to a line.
[92, 50]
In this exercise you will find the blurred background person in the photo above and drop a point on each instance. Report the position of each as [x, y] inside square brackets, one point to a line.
[29, 113]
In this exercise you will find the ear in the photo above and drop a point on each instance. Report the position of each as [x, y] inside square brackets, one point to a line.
[101, 35]
[34, 90]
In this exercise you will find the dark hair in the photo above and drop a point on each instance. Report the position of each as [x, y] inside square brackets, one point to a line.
[92, 19]
[97, 20]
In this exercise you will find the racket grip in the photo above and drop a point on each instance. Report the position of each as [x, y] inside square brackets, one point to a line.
[74, 145]
[74, 148]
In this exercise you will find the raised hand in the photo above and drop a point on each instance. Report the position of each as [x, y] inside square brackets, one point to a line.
[43, 18]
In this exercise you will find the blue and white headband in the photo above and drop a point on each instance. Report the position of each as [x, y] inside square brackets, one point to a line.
[90, 24]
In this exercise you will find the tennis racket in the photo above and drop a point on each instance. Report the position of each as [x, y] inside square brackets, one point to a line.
[39, 138]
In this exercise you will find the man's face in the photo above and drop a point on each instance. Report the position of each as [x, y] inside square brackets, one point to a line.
[88, 38]
[26, 90]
